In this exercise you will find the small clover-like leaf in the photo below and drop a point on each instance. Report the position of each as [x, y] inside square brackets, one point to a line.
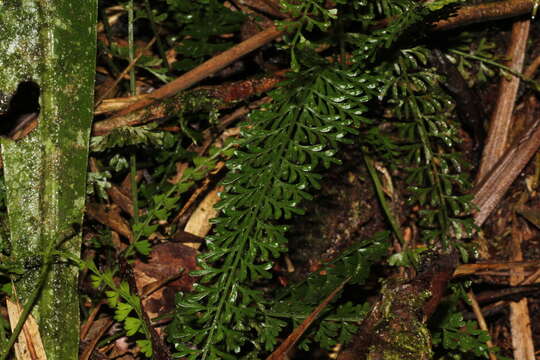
[132, 325]
[122, 311]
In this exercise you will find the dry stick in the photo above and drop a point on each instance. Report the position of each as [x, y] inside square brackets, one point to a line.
[200, 72]
[281, 352]
[531, 279]
[531, 69]
[497, 10]
[262, 6]
[158, 284]
[90, 347]
[481, 322]
[123, 201]
[489, 192]
[507, 170]
[116, 104]
[520, 321]
[501, 119]
[86, 327]
[227, 94]
[470, 269]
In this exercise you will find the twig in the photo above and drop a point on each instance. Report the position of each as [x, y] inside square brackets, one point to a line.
[497, 10]
[281, 352]
[227, 94]
[470, 269]
[86, 326]
[520, 320]
[207, 68]
[158, 284]
[481, 322]
[499, 127]
[490, 191]
[105, 324]
[531, 279]
[531, 69]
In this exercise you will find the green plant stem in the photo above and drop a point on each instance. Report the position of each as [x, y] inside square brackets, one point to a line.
[156, 34]
[111, 338]
[276, 168]
[534, 84]
[132, 85]
[301, 317]
[380, 195]
[31, 302]
[168, 194]
[133, 180]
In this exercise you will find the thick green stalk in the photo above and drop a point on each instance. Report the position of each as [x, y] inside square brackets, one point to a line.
[51, 43]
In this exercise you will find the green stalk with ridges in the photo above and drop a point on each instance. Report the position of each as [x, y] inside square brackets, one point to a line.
[51, 43]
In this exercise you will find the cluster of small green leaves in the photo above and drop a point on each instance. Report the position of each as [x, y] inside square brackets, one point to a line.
[338, 322]
[202, 22]
[459, 336]
[124, 303]
[132, 136]
[475, 72]
[159, 197]
[427, 138]
[305, 16]
[268, 177]
[161, 205]
[312, 113]
[458, 339]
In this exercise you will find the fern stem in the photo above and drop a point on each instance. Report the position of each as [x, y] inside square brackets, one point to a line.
[434, 173]
[239, 251]
[380, 195]
[149, 217]
[134, 193]
[534, 84]
[132, 85]
[160, 46]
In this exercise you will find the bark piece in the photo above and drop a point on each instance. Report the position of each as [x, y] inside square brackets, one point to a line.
[29, 345]
[199, 222]
[499, 127]
[520, 320]
[166, 261]
[490, 191]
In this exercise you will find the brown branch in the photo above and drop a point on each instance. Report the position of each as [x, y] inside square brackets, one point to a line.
[227, 94]
[207, 69]
[498, 10]
[471, 269]
[466, 15]
[520, 320]
[501, 119]
[481, 322]
[281, 352]
[490, 191]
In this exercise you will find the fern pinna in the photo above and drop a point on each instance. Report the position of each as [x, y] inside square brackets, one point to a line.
[273, 170]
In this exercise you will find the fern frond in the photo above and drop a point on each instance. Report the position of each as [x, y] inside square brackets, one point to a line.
[271, 173]
[269, 177]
